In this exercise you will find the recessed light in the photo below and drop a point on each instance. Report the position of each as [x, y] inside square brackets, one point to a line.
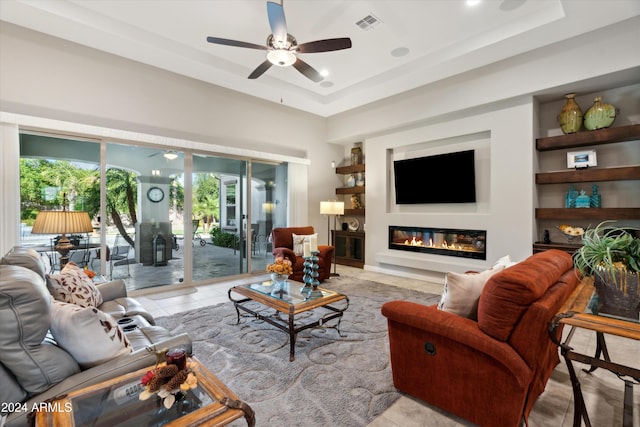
[473, 2]
[324, 73]
[400, 51]
[326, 83]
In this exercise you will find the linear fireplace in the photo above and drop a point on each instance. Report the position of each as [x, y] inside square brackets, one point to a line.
[439, 241]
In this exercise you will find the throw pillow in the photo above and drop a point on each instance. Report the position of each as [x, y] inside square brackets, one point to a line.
[89, 335]
[506, 261]
[299, 241]
[73, 285]
[462, 292]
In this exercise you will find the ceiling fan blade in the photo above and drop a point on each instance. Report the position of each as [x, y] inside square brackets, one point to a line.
[236, 43]
[308, 71]
[154, 154]
[327, 45]
[260, 70]
[277, 22]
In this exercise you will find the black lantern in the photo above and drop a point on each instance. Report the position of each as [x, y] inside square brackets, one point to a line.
[159, 250]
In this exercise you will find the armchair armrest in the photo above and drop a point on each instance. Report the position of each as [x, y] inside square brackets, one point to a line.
[112, 290]
[459, 329]
[285, 253]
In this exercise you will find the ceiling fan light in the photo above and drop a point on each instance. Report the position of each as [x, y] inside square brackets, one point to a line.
[281, 57]
[170, 155]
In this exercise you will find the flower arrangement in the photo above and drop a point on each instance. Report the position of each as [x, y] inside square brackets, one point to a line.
[167, 380]
[280, 266]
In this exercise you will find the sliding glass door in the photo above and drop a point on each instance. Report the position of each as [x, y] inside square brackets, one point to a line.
[160, 216]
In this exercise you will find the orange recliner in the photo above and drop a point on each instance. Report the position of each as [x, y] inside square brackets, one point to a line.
[282, 240]
[489, 371]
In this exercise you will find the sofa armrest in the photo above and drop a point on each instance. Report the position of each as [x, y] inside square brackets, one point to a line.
[122, 365]
[456, 328]
[285, 253]
[112, 290]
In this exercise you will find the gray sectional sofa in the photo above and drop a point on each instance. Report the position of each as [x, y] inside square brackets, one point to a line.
[34, 363]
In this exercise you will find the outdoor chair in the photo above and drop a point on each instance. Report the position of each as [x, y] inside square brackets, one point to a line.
[119, 255]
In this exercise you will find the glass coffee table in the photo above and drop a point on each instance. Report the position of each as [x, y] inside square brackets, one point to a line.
[290, 302]
[116, 403]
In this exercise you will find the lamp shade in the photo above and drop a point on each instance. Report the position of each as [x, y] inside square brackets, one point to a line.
[62, 222]
[332, 208]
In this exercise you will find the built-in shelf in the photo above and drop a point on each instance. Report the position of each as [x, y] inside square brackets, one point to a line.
[346, 170]
[570, 248]
[587, 213]
[354, 212]
[592, 137]
[358, 189]
[589, 175]
[582, 139]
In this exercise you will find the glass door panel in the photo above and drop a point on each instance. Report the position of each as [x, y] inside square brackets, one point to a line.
[219, 217]
[143, 205]
[58, 173]
[268, 193]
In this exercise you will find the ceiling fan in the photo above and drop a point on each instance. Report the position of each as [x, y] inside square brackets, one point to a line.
[282, 47]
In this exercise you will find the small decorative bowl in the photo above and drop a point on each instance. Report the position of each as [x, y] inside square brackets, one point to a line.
[571, 231]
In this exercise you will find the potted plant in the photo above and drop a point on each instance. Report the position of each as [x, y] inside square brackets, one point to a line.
[612, 256]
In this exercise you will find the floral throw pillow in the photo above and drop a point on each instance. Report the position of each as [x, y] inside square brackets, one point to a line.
[73, 285]
[89, 335]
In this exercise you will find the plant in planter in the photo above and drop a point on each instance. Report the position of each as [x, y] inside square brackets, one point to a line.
[612, 256]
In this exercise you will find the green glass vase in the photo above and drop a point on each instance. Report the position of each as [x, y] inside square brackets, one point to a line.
[599, 115]
[570, 117]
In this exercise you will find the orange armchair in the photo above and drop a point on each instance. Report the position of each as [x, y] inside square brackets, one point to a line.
[282, 240]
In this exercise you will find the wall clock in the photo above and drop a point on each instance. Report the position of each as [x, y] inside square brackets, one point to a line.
[155, 194]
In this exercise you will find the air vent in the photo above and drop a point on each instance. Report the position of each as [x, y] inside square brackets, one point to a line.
[368, 22]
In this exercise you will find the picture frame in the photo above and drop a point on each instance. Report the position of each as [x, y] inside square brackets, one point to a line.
[581, 159]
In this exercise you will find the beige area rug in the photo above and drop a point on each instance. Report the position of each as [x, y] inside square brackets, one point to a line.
[333, 381]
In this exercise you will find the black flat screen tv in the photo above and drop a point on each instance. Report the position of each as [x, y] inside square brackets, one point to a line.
[443, 178]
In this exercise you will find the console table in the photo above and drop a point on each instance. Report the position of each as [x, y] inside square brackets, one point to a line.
[577, 312]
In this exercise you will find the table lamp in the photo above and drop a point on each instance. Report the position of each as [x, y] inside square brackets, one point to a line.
[62, 222]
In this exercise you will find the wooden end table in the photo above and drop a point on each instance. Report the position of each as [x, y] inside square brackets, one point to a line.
[290, 302]
[577, 313]
[115, 403]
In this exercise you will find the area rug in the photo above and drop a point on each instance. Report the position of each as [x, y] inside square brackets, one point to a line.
[334, 380]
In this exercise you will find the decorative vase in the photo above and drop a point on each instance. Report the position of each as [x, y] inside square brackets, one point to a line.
[570, 117]
[599, 115]
[618, 293]
[279, 281]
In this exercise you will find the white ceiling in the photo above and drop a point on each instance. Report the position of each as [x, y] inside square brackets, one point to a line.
[443, 38]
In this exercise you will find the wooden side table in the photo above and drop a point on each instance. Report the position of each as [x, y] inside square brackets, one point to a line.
[115, 403]
[577, 314]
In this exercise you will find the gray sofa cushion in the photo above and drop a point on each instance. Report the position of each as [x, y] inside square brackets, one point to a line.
[24, 316]
[10, 391]
[27, 258]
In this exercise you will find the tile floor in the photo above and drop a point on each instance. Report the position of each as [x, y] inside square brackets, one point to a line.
[603, 391]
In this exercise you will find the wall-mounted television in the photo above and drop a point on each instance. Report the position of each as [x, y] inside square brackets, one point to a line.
[442, 178]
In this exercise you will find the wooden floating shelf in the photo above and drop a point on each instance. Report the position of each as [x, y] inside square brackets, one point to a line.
[592, 137]
[588, 213]
[589, 175]
[354, 212]
[345, 170]
[358, 189]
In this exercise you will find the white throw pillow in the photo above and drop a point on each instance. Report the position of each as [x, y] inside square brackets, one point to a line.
[505, 261]
[73, 285]
[299, 241]
[462, 292]
[89, 335]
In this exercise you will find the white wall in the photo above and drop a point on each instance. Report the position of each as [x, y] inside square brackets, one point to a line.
[504, 179]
